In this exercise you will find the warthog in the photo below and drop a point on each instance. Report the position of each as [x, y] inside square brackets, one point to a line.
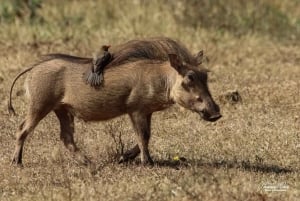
[136, 83]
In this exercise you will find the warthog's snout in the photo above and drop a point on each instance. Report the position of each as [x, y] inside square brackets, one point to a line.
[211, 115]
[210, 118]
[214, 117]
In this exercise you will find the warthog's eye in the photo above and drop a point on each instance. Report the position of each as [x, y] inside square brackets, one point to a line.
[189, 80]
[191, 77]
[199, 99]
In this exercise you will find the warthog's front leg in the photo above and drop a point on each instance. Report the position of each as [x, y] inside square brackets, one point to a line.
[141, 124]
[66, 120]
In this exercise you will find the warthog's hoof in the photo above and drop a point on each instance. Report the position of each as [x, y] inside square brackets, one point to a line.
[16, 162]
[82, 159]
[148, 162]
[126, 158]
[123, 159]
[130, 154]
[145, 163]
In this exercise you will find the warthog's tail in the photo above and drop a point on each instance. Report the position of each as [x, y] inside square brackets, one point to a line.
[11, 109]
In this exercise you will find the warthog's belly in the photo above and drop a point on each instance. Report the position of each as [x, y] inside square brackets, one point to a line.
[92, 114]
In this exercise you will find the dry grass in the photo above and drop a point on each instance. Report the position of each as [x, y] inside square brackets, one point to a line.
[256, 142]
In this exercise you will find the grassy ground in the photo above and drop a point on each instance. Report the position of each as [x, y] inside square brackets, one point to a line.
[255, 145]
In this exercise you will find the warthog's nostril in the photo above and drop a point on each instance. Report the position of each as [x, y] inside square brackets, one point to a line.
[215, 117]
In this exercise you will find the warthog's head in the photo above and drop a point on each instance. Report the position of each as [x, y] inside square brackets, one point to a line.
[191, 90]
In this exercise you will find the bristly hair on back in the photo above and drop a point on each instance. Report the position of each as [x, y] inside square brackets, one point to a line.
[66, 57]
[145, 49]
[150, 49]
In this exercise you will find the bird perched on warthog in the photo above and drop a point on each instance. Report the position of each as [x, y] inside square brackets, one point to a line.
[144, 76]
[94, 76]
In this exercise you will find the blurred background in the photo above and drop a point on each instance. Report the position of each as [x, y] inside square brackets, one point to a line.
[81, 25]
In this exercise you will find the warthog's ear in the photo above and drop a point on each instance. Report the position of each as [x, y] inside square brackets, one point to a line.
[176, 63]
[199, 57]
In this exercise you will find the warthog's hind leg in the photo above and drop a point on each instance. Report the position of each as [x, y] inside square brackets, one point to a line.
[142, 123]
[26, 127]
[130, 154]
[66, 120]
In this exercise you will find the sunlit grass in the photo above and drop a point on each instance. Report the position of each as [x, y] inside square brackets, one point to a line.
[256, 141]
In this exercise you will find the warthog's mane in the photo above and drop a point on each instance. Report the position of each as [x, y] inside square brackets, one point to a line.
[150, 49]
[153, 49]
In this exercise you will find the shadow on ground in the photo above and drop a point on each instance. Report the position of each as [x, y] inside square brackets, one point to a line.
[244, 165]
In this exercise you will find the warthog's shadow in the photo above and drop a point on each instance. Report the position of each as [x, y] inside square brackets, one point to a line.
[244, 165]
